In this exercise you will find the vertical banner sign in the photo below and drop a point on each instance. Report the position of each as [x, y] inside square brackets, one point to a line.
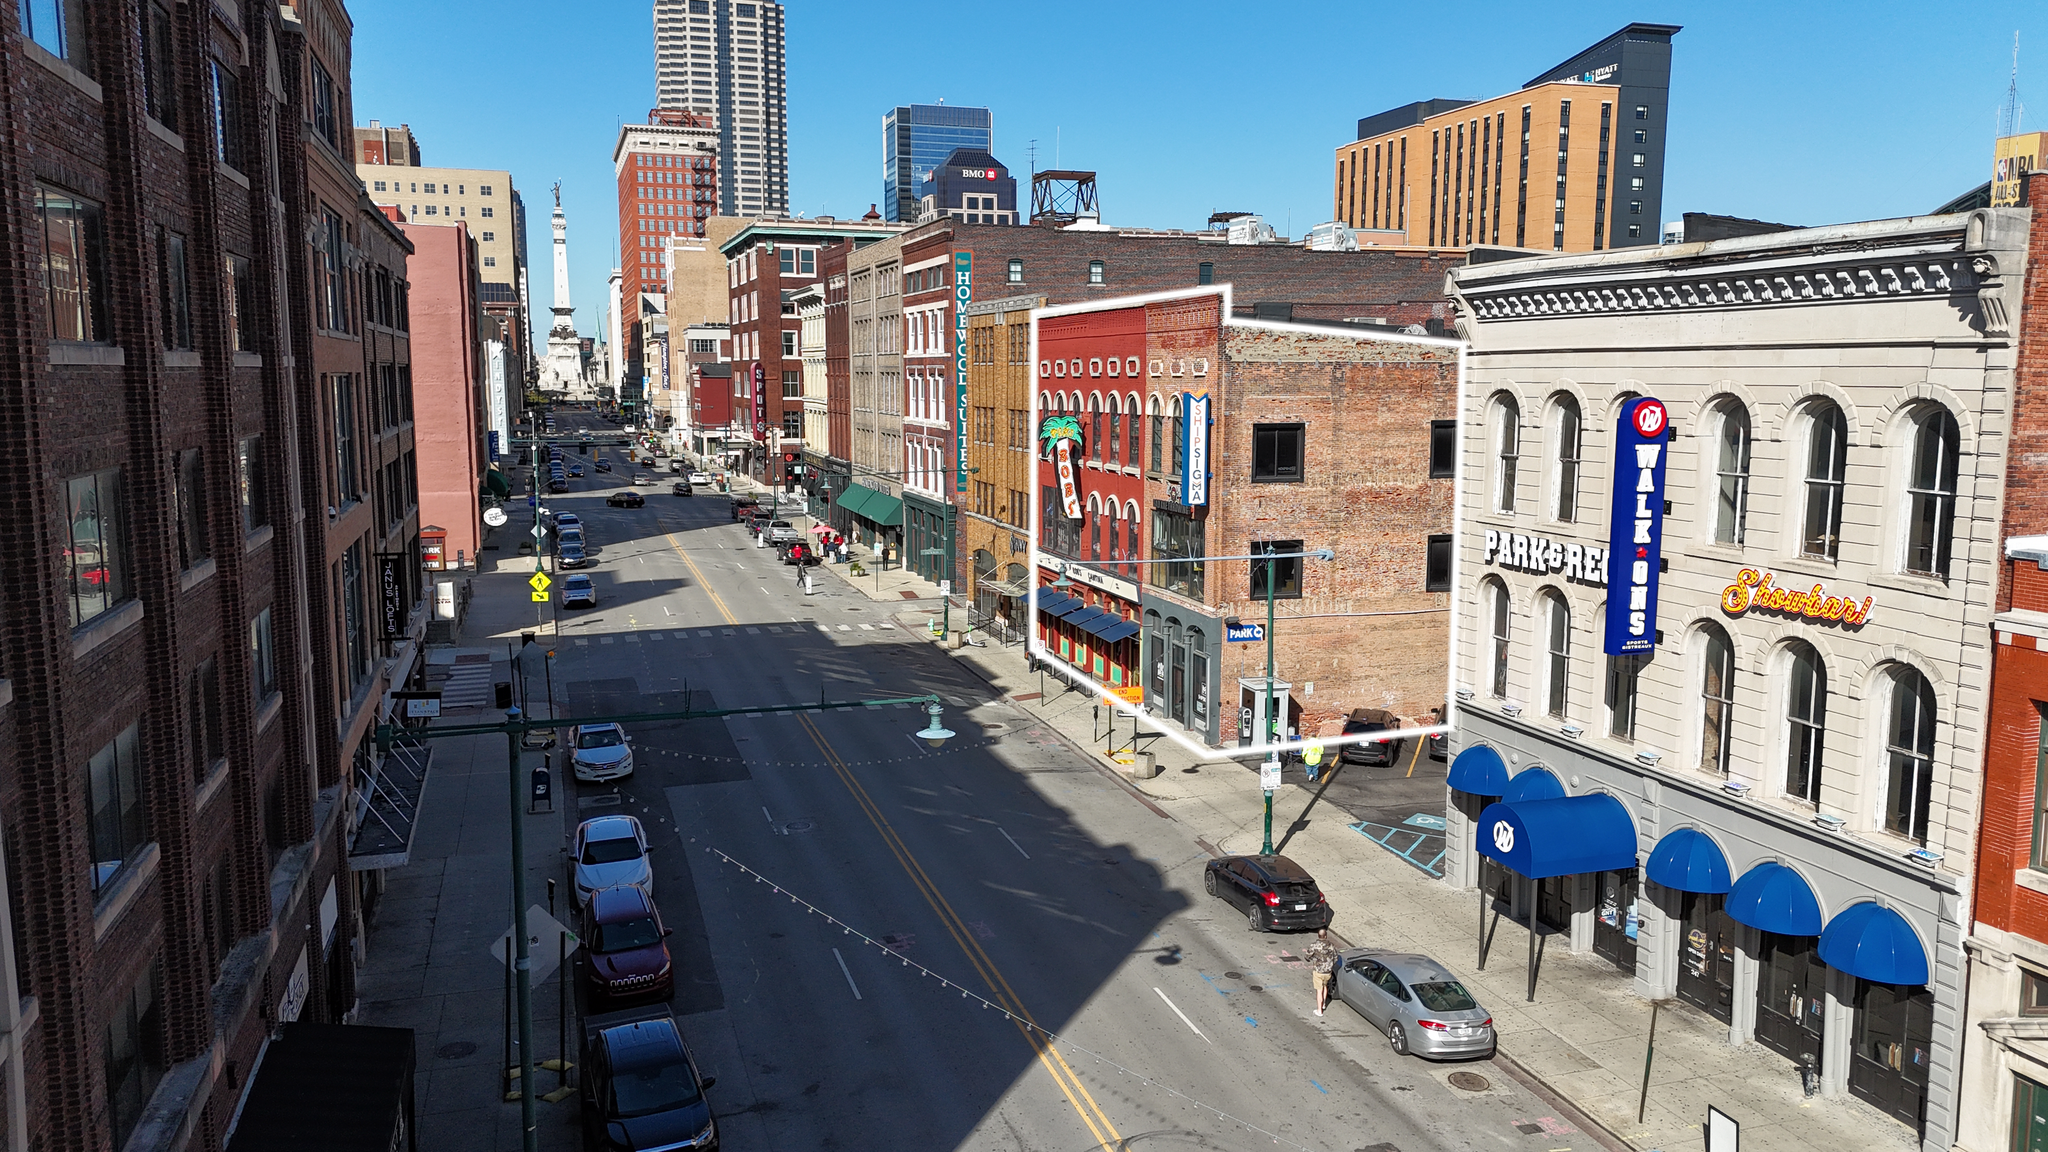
[494, 445]
[760, 375]
[1062, 436]
[963, 295]
[391, 585]
[1194, 474]
[1636, 534]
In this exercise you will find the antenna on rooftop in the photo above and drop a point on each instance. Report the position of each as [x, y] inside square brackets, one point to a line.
[1033, 150]
[2010, 115]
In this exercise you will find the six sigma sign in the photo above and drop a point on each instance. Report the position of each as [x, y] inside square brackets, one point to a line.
[1636, 533]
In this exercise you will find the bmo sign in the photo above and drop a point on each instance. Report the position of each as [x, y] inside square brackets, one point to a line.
[981, 174]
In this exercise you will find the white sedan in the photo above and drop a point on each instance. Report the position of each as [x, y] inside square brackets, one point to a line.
[611, 852]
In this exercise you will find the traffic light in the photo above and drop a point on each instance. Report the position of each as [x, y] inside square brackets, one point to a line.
[789, 457]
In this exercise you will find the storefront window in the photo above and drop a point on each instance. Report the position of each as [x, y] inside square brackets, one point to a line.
[1791, 996]
[1198, 677]
[1894, 1030]
[1706, 956]
[1178, 537]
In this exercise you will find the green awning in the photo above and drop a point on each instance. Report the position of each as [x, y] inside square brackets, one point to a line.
[872, 504]
[495, 483]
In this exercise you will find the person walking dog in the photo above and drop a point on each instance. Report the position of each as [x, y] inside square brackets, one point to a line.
[1322, 966]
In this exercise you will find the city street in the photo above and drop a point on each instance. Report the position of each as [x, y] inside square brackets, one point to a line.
[1005, 865]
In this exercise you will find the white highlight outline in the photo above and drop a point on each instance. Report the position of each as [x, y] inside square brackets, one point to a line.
[1037, 558]
[1183, 1016]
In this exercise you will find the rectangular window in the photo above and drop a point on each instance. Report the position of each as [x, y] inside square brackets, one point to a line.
[2039, 860]
[347, 487]
[203, 698]
[483, 189]
[174, 289]
[74, 265]
[325, 124]
[1437, 568]
[806, 262]
[250, 471]
[97, 553]
[1095, 272]
[262, 658]
[159, 74]
[1205, 273]
[113, 795]
[788, 260]
[1277, 453]
[2033, 993]
[1179, 538]
[1443, 448]
[1642, 111]
[490, 261]
[1281, 577]
[354, 626]
[227, 115]
[243, 311]
[1635, 207]
[1016, 271]
[134, 1054]
[1638, 160]
[486, 212]
[1623, 676]
[189, 495]
[789, 344]
[792, 383]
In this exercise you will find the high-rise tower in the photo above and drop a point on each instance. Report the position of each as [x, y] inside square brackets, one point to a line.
[563, 371]
[916, 139]
[724, 59]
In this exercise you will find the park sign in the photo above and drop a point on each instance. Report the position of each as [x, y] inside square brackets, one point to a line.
[1636, 530]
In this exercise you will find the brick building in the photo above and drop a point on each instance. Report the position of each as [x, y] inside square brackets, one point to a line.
[1192, 432]
[448, 390]
[667, 175]
[194, 300]
[828, 465]
[2004, 1091]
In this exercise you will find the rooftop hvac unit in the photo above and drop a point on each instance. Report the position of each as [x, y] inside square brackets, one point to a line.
[1252, 230]
[1334, 236]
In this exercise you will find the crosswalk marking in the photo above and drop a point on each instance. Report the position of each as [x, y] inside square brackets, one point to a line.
[604, 640]
[846, 627]
[582, 643]
[750, 632]
[632, 639]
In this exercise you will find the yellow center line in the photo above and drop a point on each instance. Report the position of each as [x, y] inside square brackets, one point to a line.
[701, 582]
[1091, 1113]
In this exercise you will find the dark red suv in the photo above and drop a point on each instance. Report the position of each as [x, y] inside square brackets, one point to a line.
[625, 948]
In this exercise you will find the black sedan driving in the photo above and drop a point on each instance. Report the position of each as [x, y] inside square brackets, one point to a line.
[1275, 893]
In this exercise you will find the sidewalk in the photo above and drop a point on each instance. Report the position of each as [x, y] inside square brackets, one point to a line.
[429, 964]
[1582, 1040]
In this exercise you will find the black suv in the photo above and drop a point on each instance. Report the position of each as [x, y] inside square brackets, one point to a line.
[640, 1086]
[1275, 892]
[1365, 722]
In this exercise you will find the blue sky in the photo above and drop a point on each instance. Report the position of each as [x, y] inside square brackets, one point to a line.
[1805, 114]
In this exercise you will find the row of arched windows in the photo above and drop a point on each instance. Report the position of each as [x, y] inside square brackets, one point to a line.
[1923, 476]
[1790, 703]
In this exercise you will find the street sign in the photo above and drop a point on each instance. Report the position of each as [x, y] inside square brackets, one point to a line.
[1243, 633]
[419, 705]
[544, 943]
[540, 597]
[540, 583]
[495, 516]
[1269, 775]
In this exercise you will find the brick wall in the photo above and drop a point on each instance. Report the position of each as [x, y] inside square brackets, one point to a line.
[2026, 481]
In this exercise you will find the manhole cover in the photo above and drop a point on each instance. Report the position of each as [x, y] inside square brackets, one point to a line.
[800, 826]
[456, 1050]
[995, 727]
[1470, 1081]
[1256, 987]
[1191, 769]
[1234, 975]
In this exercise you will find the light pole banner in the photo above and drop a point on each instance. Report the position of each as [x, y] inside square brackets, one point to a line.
[1194, 474]
[1636, 533]
[963, 295]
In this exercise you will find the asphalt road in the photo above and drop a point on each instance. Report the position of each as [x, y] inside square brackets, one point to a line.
[1004, 873]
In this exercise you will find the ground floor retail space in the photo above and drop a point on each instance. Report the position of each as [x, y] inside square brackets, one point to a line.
[927, 536]
[824, 478]
[998, 582]
[1837, 955]
[874, 520]
[1094, 629]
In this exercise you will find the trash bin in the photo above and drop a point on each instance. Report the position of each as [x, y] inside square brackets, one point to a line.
[1144, 765]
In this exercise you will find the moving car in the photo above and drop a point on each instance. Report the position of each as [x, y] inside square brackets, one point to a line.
[647, 458]
[625, 949]
[1416, 1002]
[640, 1086]
[682, 488]
[626, 500]
[1364, 721]
[575, 470]
[579, 592]
[603, 751]
[1275, 892]
[611, 851]
[643, 477]
[602, 465]
[699, 477]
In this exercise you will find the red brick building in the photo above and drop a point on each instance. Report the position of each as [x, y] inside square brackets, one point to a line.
[448, 387]
[204, 421]
[667, 174]
[1191, 431]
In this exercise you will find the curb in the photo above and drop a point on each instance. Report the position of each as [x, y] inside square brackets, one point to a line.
[1542, 1089]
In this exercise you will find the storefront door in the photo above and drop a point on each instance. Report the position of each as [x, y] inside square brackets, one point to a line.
[1706, 956]
[2029, 1116]
[1178, 681]
[1894, 1029]
[1554, 902]
[1791, 996]
[1614, 919]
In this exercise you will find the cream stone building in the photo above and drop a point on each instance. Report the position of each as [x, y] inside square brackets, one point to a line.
[1768, 813]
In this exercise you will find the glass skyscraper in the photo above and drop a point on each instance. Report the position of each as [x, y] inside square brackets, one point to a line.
[917, 138]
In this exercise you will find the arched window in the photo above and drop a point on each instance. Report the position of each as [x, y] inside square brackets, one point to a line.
[1045, 403]
[1153, 462]
[1116, 431]
[1557, 673]
[1566, 427]
[1134, 540]
[1179, 440]
[1507, 440]
[1095, 427]
[1909, 754]
[1717, 699]
[1827, 445]
[1731, 474]
[1497, 663]
[1131, 449]
[1931, 494]
[1094, 529]
[1806, 722]
[1116, 536]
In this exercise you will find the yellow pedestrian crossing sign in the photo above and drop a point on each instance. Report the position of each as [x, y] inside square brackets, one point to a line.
[540, 584]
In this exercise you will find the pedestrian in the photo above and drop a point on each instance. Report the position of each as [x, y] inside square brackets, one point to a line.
[1312, 758]
[1322, 967]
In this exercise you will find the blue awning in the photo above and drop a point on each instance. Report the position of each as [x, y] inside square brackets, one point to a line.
[1533, 783]
[1100, 626]
[1876, 943]
[1544, 838]
[1688, 860]
[1480, 771]
[1057, 603]
[1084, 616]
[1121, 631]
[1776, 899]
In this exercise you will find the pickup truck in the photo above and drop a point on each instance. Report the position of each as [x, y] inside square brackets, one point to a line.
[781, 532]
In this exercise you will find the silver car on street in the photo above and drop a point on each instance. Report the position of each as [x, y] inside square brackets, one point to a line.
[1416, 1002]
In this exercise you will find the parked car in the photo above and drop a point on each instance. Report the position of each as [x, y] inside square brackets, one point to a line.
[647, 458]
[558, 484]
[626, 500]
[640, 1086]
[573, 534]
[756, 521]
[699, 477]
[603, 751]
[611, 851]
[780, 532]
[1275, 892]
[625, 949]
[643, 478]
[682, 488]
[579, 592]
[571, 555]
[575, 470]
[602, 465]
[743, 506]
[1364, 722]
[1440, 744]
[566, 520]
[1416, 1002]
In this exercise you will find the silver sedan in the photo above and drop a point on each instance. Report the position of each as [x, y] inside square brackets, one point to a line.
[1416, 1002]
